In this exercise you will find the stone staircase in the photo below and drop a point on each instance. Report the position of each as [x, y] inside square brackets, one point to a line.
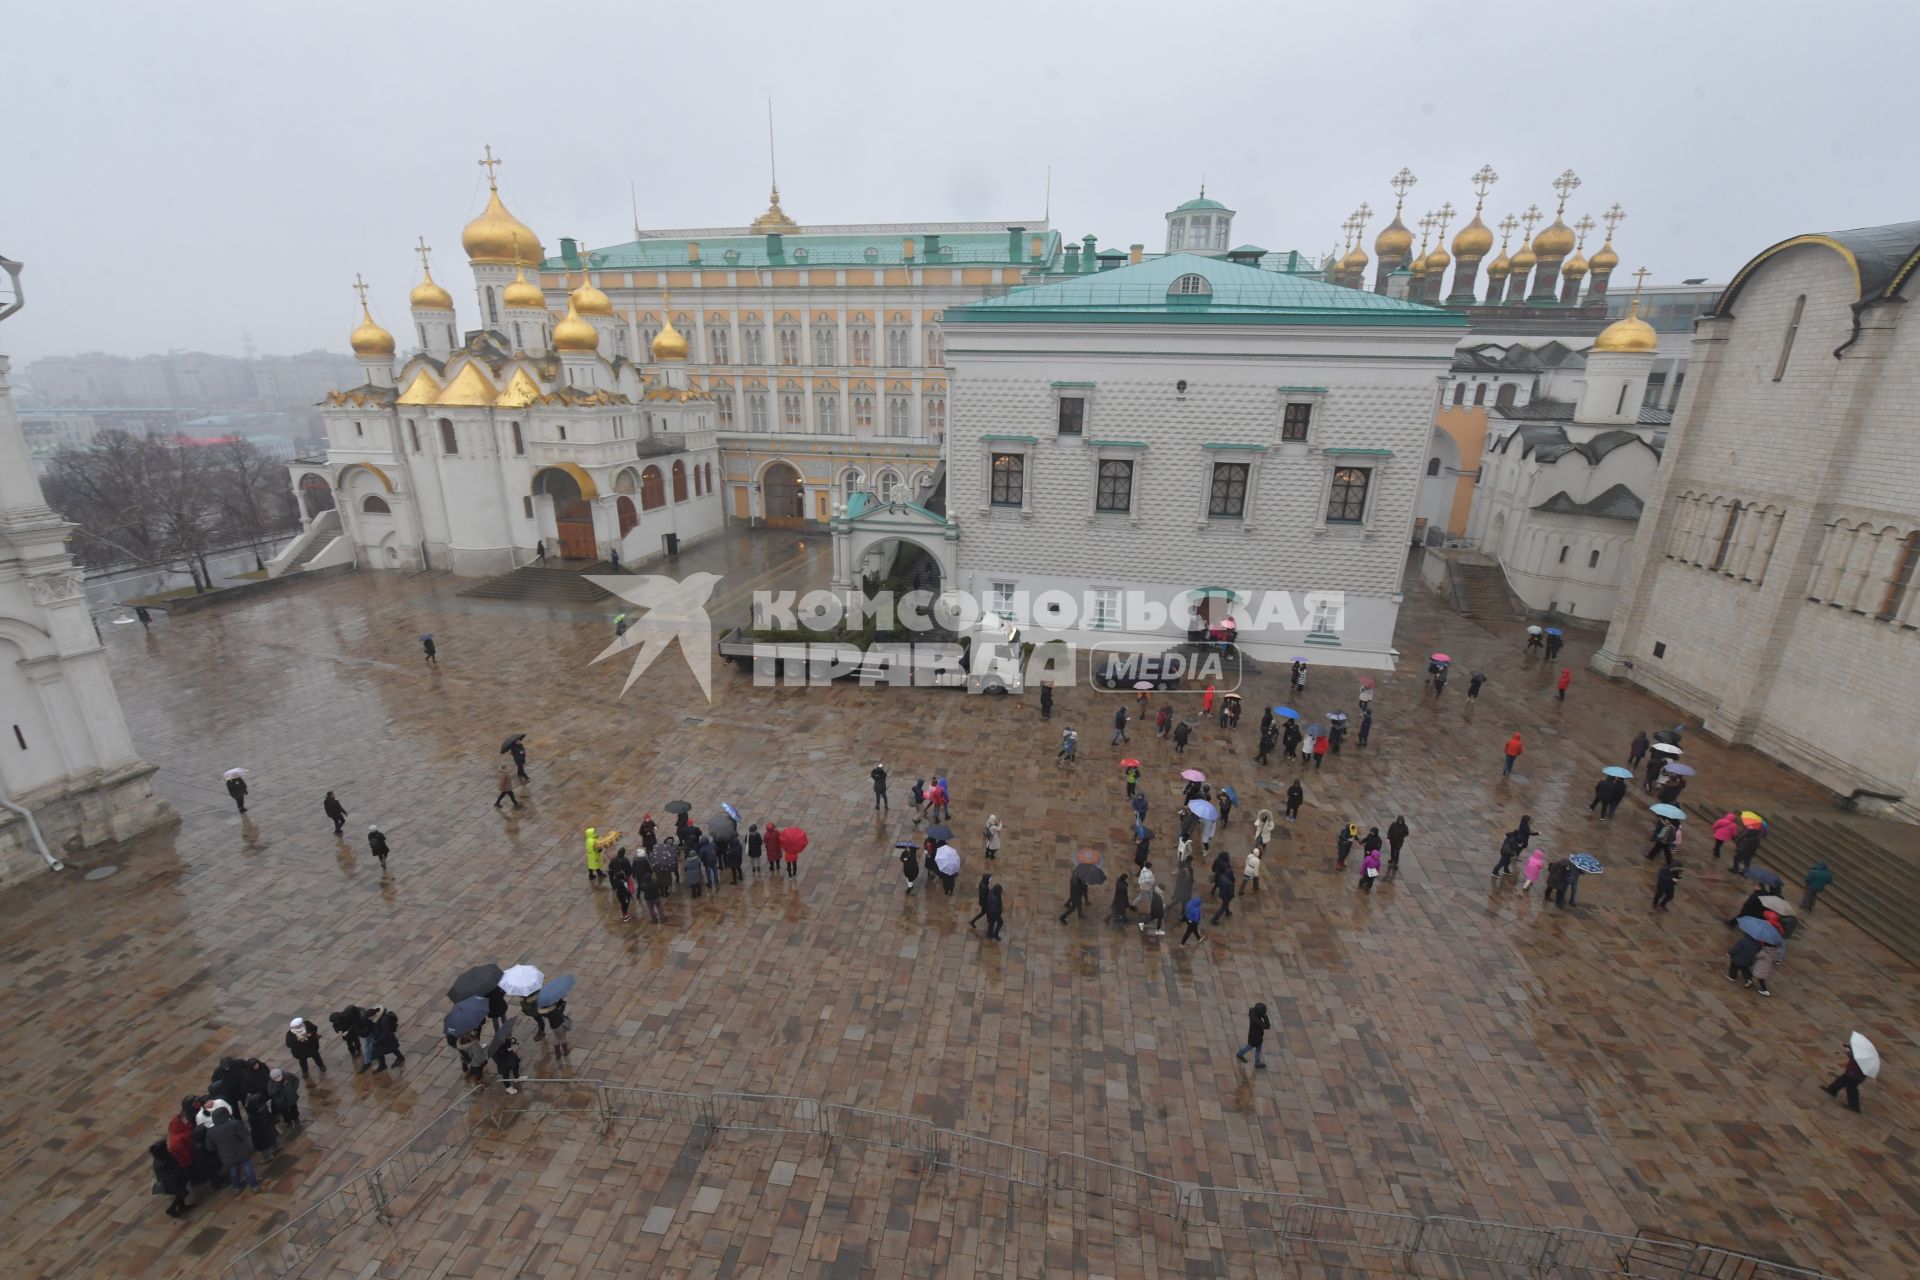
[545, 584]
[1485, 589]
[1875, 865]
[312, 549]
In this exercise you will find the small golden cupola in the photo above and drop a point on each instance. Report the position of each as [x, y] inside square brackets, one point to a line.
[1629, 333]
[368, 338]
[669, 343]
[524, 293]
[496, 236]
[428, 295]
[1576, 266]
[588, 300]
[575, 334]
[775, 218]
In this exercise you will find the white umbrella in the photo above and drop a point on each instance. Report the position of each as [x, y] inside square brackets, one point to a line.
[1668, 749]
[947, 859]
[1865, 1054]
[234, 773]
[522, 980]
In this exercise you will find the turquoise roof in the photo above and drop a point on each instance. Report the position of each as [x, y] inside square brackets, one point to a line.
[1200, 202]
[1248, 248]
[1241, 295]
[798, 249]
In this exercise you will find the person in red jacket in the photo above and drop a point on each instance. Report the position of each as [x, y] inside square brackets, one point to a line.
[1566, 678]
[774, 849]
[1514, 748]
[1320, 745]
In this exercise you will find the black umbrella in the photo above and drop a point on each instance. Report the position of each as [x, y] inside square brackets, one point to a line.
[476, 981]
[940, 831]
[1089, 873]
[679, 806]
[665, 856]
[508, 744]
[466, 1017]
[501, 1036]
[721, 827]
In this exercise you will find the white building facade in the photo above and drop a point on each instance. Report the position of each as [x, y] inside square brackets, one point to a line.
[1200, 435]
[1773, 591]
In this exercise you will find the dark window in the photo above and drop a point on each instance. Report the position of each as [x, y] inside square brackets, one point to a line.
[562, 428]
[1505, 398]
[1660, 649]
[1116, 487]
[1786, 343]
[493, 310]
[1073, 414]
[358, 431]
[519, 445]
[1295, 421]
[1433, 466]
[1901, 580]
[1726, 536]
[1620, 405]
[374, 504]
[679, 482]
[653, 489]
[1347, 504]
[526, 506]
[1228, 496]
[1480, 394]
[1459, 393]
[1593, 559]
[413, 434]
[448, 444]
[1563, 554]
[1009, 479]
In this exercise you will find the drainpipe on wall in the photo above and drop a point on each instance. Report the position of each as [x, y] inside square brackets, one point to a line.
[39, 841]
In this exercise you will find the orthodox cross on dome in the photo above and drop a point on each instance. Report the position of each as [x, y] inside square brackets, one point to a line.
[1361, 215]
[1566, 184]
[423, 249]
[360, 287]
[1527, 219]
[488, 163]
[1426, 229]
[1640, 278]
[1401, 182]
[1613, 218]
[1444, 215]
[1482, 183]
[1507, 224]
[1581, 228]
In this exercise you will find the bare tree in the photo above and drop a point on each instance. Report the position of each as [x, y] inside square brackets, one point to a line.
[160, 502]
[253, 490]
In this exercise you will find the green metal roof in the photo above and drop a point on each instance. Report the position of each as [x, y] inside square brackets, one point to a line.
[1249, 248]
[1241, 295]
[1200, 202]
[798, 249]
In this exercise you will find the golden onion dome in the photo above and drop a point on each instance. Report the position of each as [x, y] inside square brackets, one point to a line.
[1499, 268]
[428, 295]
[589, 301]
[1629, 333]
[1355, 263]
[496, 236]
[1474, 239]
[1394, 242]
[1606, 259]
[1524, 260]
[524, 293]
[1575, 267]
[575, 334]
[669, 343]
[1555, 242]
[368, 338]
[1437, 261]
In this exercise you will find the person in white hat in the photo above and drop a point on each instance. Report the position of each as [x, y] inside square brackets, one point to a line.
[303, 1042]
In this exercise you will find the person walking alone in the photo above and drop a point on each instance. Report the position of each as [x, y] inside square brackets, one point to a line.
[1119, 726]
[620, 873]
[879, 776]
[1663, 887]
[1513, 749]
[910, 868]
[985, 893]
[377, 846]
[517, 752]
[1076, 899]
[1046, 702]
[1818, 878]
[1224, 888]
[1182, 734]
[990, 836]
[1851, 1079]
[1396, 836]
[335, 811]
[1366, 727]
[996, 914]
[1566, 678]
[237, 788]
[1473, 687]
[1257, 1025]
[428, 647]
[505, 783]
[1191, 914]
[1296, 797]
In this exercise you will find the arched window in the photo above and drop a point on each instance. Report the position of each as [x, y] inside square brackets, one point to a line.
[1480, 393]
[1900, 581]
[451, 342]
[413, 434]
[1593, 559]
[1726, 536]
[449, 444]
[850, 481]
[653, 489]
[1507, 393]
[709, 467]
[517, 344]
[375, 505]
[519, 443]
[1191, 285]
[626, 481]
[699, 483]
[1563, 554]
[884, 484]
[493, 307]
[1433, 466]
[1459, 393]
[679, 481]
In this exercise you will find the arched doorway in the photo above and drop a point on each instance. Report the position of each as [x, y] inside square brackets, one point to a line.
[782, 497]
[572, 514]
[628, 516]
[316, 495]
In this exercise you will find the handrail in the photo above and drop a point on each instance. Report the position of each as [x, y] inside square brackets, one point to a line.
[1294, 1216]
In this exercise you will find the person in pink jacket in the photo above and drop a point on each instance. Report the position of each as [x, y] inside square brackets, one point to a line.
[1535, 861]
[1725, 829]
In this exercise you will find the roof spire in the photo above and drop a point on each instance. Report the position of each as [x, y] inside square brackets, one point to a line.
[773, 168]
[489, 164]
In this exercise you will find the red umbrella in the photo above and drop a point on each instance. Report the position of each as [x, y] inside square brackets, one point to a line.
[1366, 682]
[793, 838]
[1088, 857]
[1129, 763]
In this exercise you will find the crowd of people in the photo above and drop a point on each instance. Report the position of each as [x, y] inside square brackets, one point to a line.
[245, 1113]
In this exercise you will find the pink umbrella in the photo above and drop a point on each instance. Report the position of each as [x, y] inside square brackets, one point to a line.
[1193, 775]
[1441, 657]
[1366, 682]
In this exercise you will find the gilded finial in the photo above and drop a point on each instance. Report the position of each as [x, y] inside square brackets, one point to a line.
[360, 287]
[1580, 229]
[423, 249]
[1507, 225]
[1566, 184]
[1426, 229]
[1483, 183]
[489, 164]
[1613, 218]
[1639, 278]
[1528, 219]
[1444, 215]
[1401, 182]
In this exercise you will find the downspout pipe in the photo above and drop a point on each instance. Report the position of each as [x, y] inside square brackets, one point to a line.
[39, 841]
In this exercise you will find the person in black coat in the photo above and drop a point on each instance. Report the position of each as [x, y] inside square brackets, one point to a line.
[1615, 793]
[260, 1123]
[1120, 910]
[985, 892]
[1751, 907]
[377, 845]
[169, 1179]
[1076, 898]
[910, 867]
[1371, 842]
[1224, 887]
[1746, 847]
[996, 913]
[303, 1042]
[349, 1025]
[1257, 1025]
[1396, 836]
[237, 788]
[1295, 798]
[620, 874]
[507, 1063]
[335, 811]
[1289, 740]
[383, 1038]
[1740, 959]
[1221, 863]
[1663, 887]
[517, 750]
[1046, 702]
[1639, 748]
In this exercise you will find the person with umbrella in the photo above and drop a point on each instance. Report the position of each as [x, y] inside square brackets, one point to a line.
[1666, 833]
[1863, 1064]
[303, 1042]
[335, 811]
[946, 864]
[792, 841]
[1765, 963]
[505, 784]
[1554, 641]
[1366, 693]
[1670, 785]
[237, 787]
[1227, 798]
[620, 872]
[1257, 1025]
[1296, 796]
[1396, 836]
[1819, 876]
[1535, 640]
[1746, 847]
[1741, 956]
[1338, 733]
[1665, 884]
[1076, 896]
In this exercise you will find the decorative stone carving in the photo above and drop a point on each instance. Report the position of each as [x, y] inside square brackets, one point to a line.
[56, 588]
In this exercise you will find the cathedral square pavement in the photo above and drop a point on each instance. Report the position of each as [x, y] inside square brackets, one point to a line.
[1444, 1045]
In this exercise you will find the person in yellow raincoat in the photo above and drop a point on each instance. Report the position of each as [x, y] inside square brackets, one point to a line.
[596, 865]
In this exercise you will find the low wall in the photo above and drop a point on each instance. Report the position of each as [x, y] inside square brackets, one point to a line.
[249, 590]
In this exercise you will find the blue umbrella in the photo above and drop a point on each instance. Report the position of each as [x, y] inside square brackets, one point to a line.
[1673, 811]
[1203, 810]
[1230, 794]
[1617, 771]
[554, 991]
[466, 1017]
[1762, 875]
[940, 831]
[1586, 862]
[1759, 930]
[1679, 770]
[1554, 631]
[1286, 713]
[730, 811]
[1315, 730]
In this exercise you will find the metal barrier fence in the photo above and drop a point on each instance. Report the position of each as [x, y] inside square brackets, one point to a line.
[1276, 1220]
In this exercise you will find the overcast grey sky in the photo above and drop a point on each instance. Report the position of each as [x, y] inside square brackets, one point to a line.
[176, 175]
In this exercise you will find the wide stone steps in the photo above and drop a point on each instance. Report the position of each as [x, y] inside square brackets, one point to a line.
[308, 552]
[543, 584]
[1486, 589]
[1874, 886]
